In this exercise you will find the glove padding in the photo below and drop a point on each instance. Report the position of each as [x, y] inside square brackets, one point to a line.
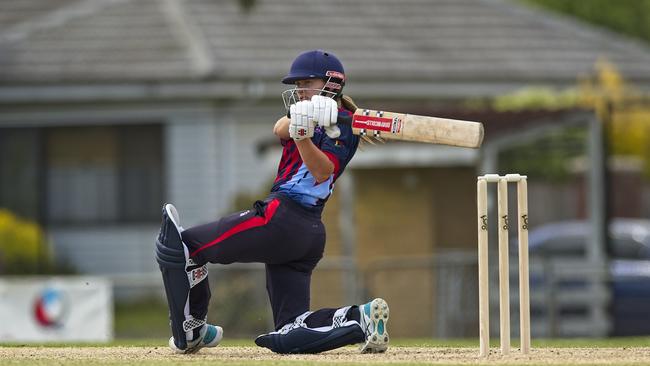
[325, 110]
[302, 120]
[333, 132]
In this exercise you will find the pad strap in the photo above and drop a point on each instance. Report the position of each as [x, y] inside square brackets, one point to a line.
[339, 319]
[197, 275]
[192, 323]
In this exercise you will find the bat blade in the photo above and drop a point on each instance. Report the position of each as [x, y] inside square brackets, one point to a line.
[411, 127]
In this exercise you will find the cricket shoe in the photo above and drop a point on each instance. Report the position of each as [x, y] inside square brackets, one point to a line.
[374, 316]
[209, 336]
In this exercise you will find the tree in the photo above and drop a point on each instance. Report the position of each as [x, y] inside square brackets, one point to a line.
[605, 92]
[631, 17]
[23, 248]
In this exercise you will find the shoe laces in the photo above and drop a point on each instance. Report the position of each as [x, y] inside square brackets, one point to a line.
[367, 323]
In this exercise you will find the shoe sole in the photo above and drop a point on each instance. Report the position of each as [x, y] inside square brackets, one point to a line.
[187, 351]
[377, 342]
[215, 342]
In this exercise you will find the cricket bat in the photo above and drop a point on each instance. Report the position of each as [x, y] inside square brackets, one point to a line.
[411, 127]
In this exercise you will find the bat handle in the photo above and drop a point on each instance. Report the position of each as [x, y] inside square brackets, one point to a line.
[344, 120]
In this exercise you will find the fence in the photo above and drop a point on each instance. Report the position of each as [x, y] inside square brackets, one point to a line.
[568, 298]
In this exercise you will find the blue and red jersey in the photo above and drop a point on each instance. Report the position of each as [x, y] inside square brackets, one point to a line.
[295, 180]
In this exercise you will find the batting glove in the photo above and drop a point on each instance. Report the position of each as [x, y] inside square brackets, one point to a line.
[333, 132]
[302, 120]
[325, 110]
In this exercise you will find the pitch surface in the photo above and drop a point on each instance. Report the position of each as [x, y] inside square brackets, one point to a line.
[346, 356]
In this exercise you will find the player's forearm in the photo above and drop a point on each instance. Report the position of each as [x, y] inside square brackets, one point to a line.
[281, 128]
[319, 165]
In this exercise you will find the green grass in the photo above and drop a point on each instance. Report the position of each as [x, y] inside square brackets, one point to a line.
[404, 342]
[143, 319]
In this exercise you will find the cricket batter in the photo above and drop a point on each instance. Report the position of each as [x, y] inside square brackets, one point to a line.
[284, 231]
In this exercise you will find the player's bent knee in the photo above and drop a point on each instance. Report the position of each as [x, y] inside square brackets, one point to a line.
[169, 257]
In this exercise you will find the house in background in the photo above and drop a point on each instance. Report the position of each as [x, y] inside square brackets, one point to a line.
[109, 108]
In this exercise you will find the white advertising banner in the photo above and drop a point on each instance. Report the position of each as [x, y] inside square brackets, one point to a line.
[56, 309]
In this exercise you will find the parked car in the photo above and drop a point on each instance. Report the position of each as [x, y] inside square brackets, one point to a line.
[628, 272]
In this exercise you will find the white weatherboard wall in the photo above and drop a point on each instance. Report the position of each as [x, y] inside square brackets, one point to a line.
[254, 172]
[106, 249]
[56, 309]
[193, 168]
[211, 157]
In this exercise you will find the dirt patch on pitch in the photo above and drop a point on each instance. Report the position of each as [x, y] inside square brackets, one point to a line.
[395, 355]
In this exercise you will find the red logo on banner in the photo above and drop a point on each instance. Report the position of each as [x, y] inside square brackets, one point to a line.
[50, 308]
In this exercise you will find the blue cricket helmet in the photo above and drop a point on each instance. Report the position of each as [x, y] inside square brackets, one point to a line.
[317, 64]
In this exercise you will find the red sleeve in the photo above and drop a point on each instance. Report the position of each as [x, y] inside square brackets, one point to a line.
[335, 160]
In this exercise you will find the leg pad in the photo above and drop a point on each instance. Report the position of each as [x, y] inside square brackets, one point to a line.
[304, 340]
[178, 279]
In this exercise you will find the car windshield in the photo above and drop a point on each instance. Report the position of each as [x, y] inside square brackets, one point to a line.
[568, 246]
[628, 248]
[626, 244]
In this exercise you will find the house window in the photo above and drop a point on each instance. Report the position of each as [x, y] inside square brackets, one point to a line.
[85, 175]
[20, 155]
[82, 174]
[141, 173]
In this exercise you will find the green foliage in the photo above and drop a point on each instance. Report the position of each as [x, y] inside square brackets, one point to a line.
[23, 248]
[536, 98]
[625, 109]
[20, 240]
[631, 17]
[547, 157]
[605, 92]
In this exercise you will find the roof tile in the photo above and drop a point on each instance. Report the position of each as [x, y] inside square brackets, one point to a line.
[141, 40]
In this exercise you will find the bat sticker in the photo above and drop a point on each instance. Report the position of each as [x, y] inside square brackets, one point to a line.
[397, 124]
[372, 123]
